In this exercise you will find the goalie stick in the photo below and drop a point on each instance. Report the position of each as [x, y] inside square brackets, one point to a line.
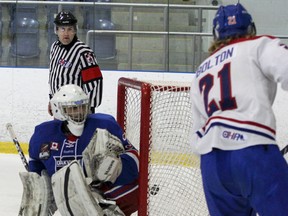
[22, 156]
[17, 144]
[284, 150]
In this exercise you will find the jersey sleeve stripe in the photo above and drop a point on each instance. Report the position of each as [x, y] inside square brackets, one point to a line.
[244, 126]
[134, 157]
[234, 121]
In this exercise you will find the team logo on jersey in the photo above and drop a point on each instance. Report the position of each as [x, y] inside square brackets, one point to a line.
[61, 161]
[89, 57]
[44, 151]
[235, 136]
[65, 63]
[232, 20]
[69, 144]
[54, 146]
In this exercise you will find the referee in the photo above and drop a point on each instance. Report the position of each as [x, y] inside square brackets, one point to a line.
[73, 62]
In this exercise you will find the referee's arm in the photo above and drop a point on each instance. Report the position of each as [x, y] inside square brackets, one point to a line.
[93, 83]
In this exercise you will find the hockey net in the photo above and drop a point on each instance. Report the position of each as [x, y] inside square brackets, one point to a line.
[156, 118]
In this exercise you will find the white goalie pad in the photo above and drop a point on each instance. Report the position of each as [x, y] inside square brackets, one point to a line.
[101, 156]
[37, 197]
[113, 210]
[109, 207]
[72, 194]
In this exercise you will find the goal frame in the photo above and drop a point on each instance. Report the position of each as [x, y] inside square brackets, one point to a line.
[144, 139]
[144, 142]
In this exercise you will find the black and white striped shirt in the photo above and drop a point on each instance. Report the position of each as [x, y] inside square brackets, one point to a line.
[75, 64]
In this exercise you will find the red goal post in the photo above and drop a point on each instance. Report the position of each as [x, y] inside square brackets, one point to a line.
[156, 118]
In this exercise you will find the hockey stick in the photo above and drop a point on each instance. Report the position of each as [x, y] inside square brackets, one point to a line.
[284, 150]
[22, 156]
[17, 144]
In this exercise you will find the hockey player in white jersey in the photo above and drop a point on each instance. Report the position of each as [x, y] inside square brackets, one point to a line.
[232, 94]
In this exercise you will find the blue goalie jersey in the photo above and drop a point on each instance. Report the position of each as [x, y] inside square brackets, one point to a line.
[51, 149]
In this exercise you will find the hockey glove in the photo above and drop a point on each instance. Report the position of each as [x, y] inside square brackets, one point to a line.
[101, 156]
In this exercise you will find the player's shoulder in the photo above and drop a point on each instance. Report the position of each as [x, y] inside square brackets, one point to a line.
[266, 40]
[43, 133]
[48, 126]
[247, 43]
[255, 39]
[101, 120]
[82, 47]
[104, 121]
[266, 36]
[101, 117]
[258, 43]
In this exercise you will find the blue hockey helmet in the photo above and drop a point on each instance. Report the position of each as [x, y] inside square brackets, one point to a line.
[232, 20]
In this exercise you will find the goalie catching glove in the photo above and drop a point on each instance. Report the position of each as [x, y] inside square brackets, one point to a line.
[101, 156]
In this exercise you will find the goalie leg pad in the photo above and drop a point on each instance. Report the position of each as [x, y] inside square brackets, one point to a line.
[37, 197]
[113, 210]
[72, 194]
[109, 207]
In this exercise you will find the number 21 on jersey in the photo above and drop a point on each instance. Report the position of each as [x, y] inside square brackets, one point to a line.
[227, 101]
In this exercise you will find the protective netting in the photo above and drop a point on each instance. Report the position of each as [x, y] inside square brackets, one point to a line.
[174, 180]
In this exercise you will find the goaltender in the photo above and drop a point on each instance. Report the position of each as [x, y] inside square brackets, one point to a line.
[92, 167]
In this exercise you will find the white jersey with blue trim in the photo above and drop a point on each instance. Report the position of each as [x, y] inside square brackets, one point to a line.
[232, 94]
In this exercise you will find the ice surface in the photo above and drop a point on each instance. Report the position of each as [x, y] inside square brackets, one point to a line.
[11, 186]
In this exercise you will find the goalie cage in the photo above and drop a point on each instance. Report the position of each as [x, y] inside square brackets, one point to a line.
[156, 118]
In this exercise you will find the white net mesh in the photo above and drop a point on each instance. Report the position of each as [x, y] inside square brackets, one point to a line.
[174, 180]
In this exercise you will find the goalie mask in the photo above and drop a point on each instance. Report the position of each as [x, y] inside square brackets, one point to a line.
[71, 104]
[232, 20]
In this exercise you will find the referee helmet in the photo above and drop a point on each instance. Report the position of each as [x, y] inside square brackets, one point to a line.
[65, 18]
